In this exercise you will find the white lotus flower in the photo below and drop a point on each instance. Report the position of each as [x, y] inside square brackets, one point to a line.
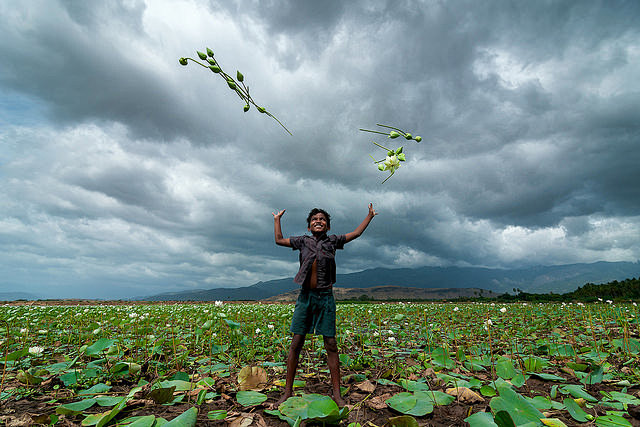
[503, 310]
[36, 351]
[392, 163]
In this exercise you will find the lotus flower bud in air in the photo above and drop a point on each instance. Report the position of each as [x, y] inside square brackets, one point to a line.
[232, 84]
[408, 136]
[246, 108]
[262, 109]
[202, 55]
[215, 69]
[239, 76]
[418, 138]
[210, 52]
[393, 134]
[401, 157]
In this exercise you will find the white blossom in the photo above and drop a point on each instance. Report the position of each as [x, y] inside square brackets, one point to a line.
[503, 310]
[36, 351]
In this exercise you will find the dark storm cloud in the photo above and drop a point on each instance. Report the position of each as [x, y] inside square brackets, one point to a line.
[75, 57]
[150, 172]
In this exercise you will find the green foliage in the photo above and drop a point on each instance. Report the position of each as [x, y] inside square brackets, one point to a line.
[628, 289]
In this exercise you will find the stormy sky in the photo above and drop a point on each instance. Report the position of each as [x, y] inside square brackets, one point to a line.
[123, 173]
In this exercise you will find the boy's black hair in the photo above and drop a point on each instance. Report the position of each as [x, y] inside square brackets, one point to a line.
[317, 211]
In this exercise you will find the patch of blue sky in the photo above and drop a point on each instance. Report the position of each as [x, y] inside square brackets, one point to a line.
[18, 109]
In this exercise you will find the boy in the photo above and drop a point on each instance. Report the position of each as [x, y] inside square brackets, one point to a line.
[315, 310]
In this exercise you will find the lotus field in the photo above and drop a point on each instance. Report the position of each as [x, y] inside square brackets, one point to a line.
[478, 364]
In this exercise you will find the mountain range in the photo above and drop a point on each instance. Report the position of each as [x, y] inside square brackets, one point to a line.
[539, 279]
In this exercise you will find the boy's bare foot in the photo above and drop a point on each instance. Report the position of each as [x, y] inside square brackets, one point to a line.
[280, 401]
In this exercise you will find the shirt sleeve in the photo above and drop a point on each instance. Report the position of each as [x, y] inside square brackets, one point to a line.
[296, 242]
[339, 241]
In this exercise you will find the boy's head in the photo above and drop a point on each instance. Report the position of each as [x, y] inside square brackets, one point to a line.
[315, 215]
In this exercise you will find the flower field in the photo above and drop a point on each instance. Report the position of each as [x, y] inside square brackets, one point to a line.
[402, 364]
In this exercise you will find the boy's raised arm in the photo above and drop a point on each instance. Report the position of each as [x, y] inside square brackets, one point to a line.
[363, 225]
[277, 229]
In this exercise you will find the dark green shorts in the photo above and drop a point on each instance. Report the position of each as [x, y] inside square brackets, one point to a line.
[315, 313]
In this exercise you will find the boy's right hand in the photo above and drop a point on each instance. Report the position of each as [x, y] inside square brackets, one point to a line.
[279, 214]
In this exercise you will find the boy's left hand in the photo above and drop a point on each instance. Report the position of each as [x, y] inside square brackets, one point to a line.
[371, 211]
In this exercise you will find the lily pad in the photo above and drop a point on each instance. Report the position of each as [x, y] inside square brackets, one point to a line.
[250, 398]
[411, 404]
[312, 407]
[576, 412]
[520, 410]
[252, 378]
[612, 421]
[481, 419]
[402, 421]
[187, 419]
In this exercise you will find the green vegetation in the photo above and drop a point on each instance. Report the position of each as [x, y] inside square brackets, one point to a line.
[626, 290]
[128, 364]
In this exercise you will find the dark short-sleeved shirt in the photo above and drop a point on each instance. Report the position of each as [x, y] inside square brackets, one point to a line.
[323, 250]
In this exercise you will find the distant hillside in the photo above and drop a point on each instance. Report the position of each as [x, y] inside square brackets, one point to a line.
[393, 293]
[12, 296]
[542, 279]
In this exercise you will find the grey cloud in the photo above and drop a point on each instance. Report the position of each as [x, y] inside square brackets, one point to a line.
[150, 172]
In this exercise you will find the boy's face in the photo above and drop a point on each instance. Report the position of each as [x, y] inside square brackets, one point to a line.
[318, 224]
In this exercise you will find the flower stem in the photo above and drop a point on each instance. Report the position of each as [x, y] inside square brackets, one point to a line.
[390, 175]
[374, 131]
[391, 127]
[381, 146]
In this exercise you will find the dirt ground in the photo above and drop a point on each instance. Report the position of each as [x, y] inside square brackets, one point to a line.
[368, 409]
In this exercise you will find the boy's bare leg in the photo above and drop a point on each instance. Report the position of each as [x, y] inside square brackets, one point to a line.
[333, 360]
[297, 342]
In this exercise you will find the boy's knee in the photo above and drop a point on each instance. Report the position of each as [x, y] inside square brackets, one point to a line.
[330, 344]
[297, 343]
